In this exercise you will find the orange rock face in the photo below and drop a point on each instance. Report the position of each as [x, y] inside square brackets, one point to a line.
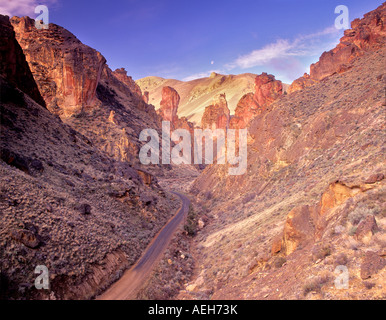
[301, 83]
[267, 90]
[13, 65]
[298, 229]
[247, 108]
[169, 105]
[365, 34]
[217, 115]
[66, 71]
[336, 194]
[121, 75]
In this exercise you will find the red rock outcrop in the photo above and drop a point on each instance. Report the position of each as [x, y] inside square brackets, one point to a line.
[365, 34]
[298, 229]
[217, 115]
[66, 71]
[13, 65]
[301, 83]
[121, 75]
[169, 105]
[267, 89]
[247, 108]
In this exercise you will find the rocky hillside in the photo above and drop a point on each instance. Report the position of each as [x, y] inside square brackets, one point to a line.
[71, 197]
[312, 197]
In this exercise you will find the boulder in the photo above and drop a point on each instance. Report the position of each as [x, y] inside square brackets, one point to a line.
[366, 228]
[372, 263]
[26, 237]
[298, 230]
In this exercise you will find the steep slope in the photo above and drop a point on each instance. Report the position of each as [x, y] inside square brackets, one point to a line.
[198, 94]
[321, 147]
[64, 203]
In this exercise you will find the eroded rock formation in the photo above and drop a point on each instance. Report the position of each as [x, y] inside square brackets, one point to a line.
[169, 105]
[301, 83]
[121, 75]
[217, 115]
[267, 89]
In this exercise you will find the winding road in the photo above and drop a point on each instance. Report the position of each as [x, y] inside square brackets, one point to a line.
[127, 287]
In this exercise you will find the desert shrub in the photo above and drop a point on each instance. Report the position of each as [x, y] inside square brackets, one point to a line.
[368, 285]
[361, 212]
[352, 230]
[320, 252]
[341, 259]
[191, 222]
[279, 261]
[208, 195]
[248, 198]
[316, 283]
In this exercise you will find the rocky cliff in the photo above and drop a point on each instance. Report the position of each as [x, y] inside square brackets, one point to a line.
[267, 90]
[66, 71]
[366, 34]
[121, 75]
[169, 105]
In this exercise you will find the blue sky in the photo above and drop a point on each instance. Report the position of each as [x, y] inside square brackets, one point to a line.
[189, 39]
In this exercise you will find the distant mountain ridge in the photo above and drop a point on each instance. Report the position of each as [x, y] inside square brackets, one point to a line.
[199, 93]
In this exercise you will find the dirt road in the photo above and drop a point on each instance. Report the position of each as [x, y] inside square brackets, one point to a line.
[127, 287]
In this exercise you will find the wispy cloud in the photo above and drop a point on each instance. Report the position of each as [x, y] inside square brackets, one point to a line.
[303, 45]
[282, 55]
[21, 7]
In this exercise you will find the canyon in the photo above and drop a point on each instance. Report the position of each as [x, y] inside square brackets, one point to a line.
[76, 197]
